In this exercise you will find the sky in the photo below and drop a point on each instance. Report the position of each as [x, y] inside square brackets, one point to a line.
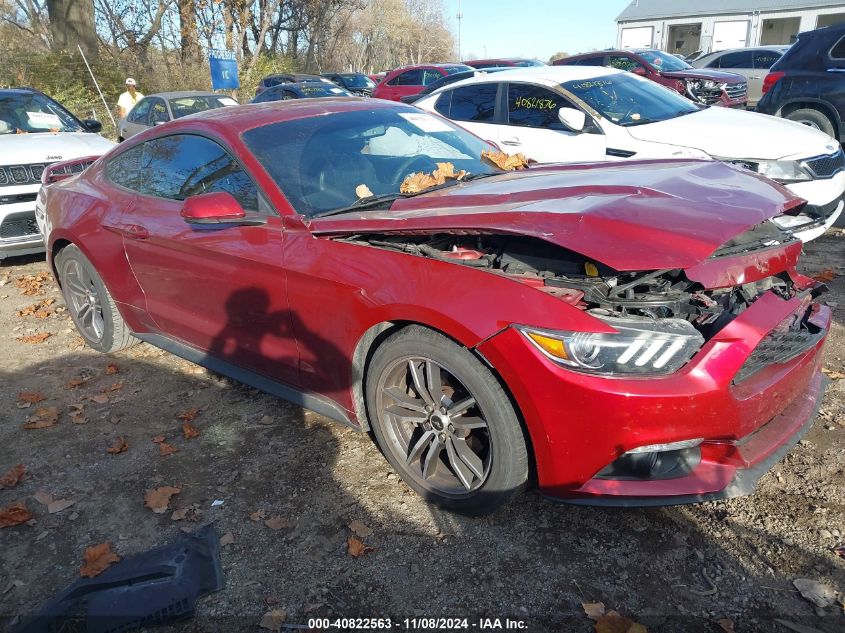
[533, 28]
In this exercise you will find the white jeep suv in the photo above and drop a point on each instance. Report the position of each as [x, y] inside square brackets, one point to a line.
[35, 131]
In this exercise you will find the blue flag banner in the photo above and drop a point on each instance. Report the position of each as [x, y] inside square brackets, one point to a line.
[224, 70]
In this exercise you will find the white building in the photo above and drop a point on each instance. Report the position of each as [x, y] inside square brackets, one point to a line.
[686, 26]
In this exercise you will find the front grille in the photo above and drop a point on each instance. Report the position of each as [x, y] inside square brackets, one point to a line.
[826, 166]
[21, 197]
[18, 225]
[12, 175]
[779, 346]
[737, 91]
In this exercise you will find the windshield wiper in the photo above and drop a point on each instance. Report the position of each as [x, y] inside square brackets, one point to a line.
[365, 203]
[469, 177]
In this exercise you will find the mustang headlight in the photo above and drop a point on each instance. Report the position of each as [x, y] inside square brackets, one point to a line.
[639, 347]
[783, 170]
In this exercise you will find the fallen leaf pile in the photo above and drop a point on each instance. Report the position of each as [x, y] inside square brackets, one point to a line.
[12, 476]
[35, 339]
[356, 547]
[119, 446]
[158, 499]
[417, 182]
[40, 310]
[610, 621]
[27, 398]
[97, 559]
[14, 514]
[43, 418]
[32, 284]
[833, 375]
[508, 162]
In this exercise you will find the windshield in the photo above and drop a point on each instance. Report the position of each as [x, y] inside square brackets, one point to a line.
[525, 63]
[627, 100]
[183, 106]
[664, 61]
[451, 70]
[357, 81]
[327, 163]
[30, 113]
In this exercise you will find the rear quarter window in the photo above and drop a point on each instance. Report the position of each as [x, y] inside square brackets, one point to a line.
[125, 169]
[838, 50]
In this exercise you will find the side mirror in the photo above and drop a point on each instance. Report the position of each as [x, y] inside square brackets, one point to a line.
[218, 207]
[92, 125]
[572, 119]
[639, 70]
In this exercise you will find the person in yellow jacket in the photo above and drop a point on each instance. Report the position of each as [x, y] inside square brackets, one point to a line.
[128, 99]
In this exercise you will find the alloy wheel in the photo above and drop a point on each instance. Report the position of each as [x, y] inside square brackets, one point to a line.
[84, 300]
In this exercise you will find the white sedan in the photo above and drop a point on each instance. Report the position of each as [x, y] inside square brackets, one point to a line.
[587, 114]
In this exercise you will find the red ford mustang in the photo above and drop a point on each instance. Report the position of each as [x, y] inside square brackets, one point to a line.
[625, 333]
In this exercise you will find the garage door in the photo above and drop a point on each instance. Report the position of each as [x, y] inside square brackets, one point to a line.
[732, 34]
[638, 37]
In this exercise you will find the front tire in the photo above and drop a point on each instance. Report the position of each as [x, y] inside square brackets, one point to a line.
[445, 424]
[812, 118]
[90, 305]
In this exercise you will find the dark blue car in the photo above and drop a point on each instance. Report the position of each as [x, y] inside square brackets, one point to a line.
[310, 90]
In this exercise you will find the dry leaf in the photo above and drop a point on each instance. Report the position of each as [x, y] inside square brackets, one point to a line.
[227, 539]
[826, 275]
[508, 162]
[112, 369]
[14, 514]
[356, 547]
[12, 476]
[415, 183]
[58, 505]
[77, 414]
[190, 431]
[190, 415]
[35, 339]
[158, 439]
[166, 449]
[115, 387]
[43, 418]
[446, 171]
[30, 397]
[31, 284]
[158, 499]
[119, 446]
[73, 383]
[833, 375]
[612, 622]
[191, 513]
[273, 620]
[363, 191]
[360, 529]
[726, 625]
[277, 522]
[97, 559]
[40, 310]
[100, 398]
[44, 498]
[257, 515]
[594, 610]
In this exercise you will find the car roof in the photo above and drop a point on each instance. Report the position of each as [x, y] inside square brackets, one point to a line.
[549, 75]
[767, 47]
[186, 93]
[21, 90]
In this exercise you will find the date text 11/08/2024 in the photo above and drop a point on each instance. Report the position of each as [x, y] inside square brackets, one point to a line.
[418, 624]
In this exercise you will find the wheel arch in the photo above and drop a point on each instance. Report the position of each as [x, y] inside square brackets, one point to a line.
[813, 104]
[375, 336]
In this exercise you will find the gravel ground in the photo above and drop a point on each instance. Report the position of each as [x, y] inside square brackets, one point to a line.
[535, 561]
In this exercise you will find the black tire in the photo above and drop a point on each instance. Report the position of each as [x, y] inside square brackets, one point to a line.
[499, 450]
[77, 273]
[813, 118]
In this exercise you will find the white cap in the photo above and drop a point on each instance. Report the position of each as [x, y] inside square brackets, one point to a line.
[130, 81]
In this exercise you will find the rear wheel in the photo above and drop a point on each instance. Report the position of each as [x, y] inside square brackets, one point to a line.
[812, 118]
[90, 305]
[444, 422]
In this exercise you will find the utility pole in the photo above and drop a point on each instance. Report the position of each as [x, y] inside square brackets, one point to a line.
[460, 17]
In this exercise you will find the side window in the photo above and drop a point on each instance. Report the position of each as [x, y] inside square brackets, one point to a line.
[158, 113]
[476, 103]
[534, 106]
[287, 95]
[765, 59]
[715, 62]
[444, 103]
[180, 166]
[591, 61]
[737, 59]
[125, 168]
[139, 112]
[838, 51]
[410, 78]
[625, 63]
[430, 75]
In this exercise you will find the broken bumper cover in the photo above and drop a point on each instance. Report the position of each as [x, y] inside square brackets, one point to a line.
[581, 424]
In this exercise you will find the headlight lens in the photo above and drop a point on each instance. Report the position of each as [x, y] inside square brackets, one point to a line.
[639, 347]
[783, 170]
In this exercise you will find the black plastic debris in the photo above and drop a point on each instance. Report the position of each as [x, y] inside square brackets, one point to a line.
[158, 586]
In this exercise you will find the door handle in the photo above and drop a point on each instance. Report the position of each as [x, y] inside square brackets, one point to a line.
[132, 231]
[511, 141]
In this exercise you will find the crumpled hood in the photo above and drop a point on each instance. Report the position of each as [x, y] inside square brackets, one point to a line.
[639, 215]
[50, 147]
[713, 75]
[729, 133]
